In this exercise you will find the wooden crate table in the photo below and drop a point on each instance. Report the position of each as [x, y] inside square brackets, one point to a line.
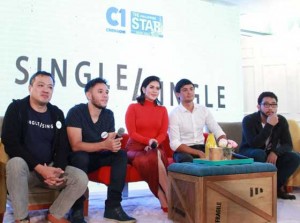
[202, 193]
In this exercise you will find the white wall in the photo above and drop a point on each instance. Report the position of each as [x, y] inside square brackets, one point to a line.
[272, 63]
[199, 40]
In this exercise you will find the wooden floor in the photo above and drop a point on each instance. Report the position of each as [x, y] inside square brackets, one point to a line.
[146, 209]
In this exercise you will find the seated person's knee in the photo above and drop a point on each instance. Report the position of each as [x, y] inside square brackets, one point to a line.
[80, 160]
[182, 157]
[121, 156]
[260, 155]
[16, 164]
[294, 158]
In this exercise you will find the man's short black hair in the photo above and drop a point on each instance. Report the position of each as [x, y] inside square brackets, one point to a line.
[93, 82]
[42, 73]
[181, 83]
[266, 94]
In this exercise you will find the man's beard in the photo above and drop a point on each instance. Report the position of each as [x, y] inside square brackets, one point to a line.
[99, 106]
[264, 114]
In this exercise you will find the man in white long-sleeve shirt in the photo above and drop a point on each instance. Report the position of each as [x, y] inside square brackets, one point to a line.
[186, 124]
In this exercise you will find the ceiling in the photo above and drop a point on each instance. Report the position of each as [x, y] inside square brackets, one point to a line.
[266, 17]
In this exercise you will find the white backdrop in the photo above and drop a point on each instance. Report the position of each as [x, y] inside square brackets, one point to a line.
[191, 39]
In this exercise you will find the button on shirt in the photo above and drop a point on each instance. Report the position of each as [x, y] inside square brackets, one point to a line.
[186, 127]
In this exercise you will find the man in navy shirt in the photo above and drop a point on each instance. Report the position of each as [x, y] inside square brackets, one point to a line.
[35, 139]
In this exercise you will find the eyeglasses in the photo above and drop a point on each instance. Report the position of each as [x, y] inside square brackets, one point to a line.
[267, 105]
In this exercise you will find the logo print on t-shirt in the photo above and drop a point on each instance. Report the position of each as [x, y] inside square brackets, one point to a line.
[40, 124]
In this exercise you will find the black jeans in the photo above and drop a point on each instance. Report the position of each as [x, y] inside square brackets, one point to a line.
[180, 157]
[89, 162]
[286, 163]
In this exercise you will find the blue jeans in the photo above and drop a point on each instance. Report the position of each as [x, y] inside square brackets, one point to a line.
[180, 157]
[286, 163]
[19, 179]
[89, 162]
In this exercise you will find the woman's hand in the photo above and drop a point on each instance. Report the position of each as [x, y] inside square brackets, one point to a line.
[153, 143]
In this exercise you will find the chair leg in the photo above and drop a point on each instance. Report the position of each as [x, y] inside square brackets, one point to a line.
[125, 190]
[289, 189]
[86, 202]
[86, 207]
[1, 217]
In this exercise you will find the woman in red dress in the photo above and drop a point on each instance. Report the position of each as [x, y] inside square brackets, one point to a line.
[147, 125]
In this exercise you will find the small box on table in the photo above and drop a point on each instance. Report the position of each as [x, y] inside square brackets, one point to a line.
[203, 193]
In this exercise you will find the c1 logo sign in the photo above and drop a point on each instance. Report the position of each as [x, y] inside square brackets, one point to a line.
[140, 23]
[116, 17]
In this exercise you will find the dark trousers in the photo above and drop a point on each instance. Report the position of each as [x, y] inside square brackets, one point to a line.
[89, 162]
[180, 157]
[286, 163]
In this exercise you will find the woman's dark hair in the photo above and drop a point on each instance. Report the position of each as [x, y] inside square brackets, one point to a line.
[141, 99]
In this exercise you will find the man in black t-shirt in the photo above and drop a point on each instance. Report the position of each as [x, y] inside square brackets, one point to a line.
[91, 131]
